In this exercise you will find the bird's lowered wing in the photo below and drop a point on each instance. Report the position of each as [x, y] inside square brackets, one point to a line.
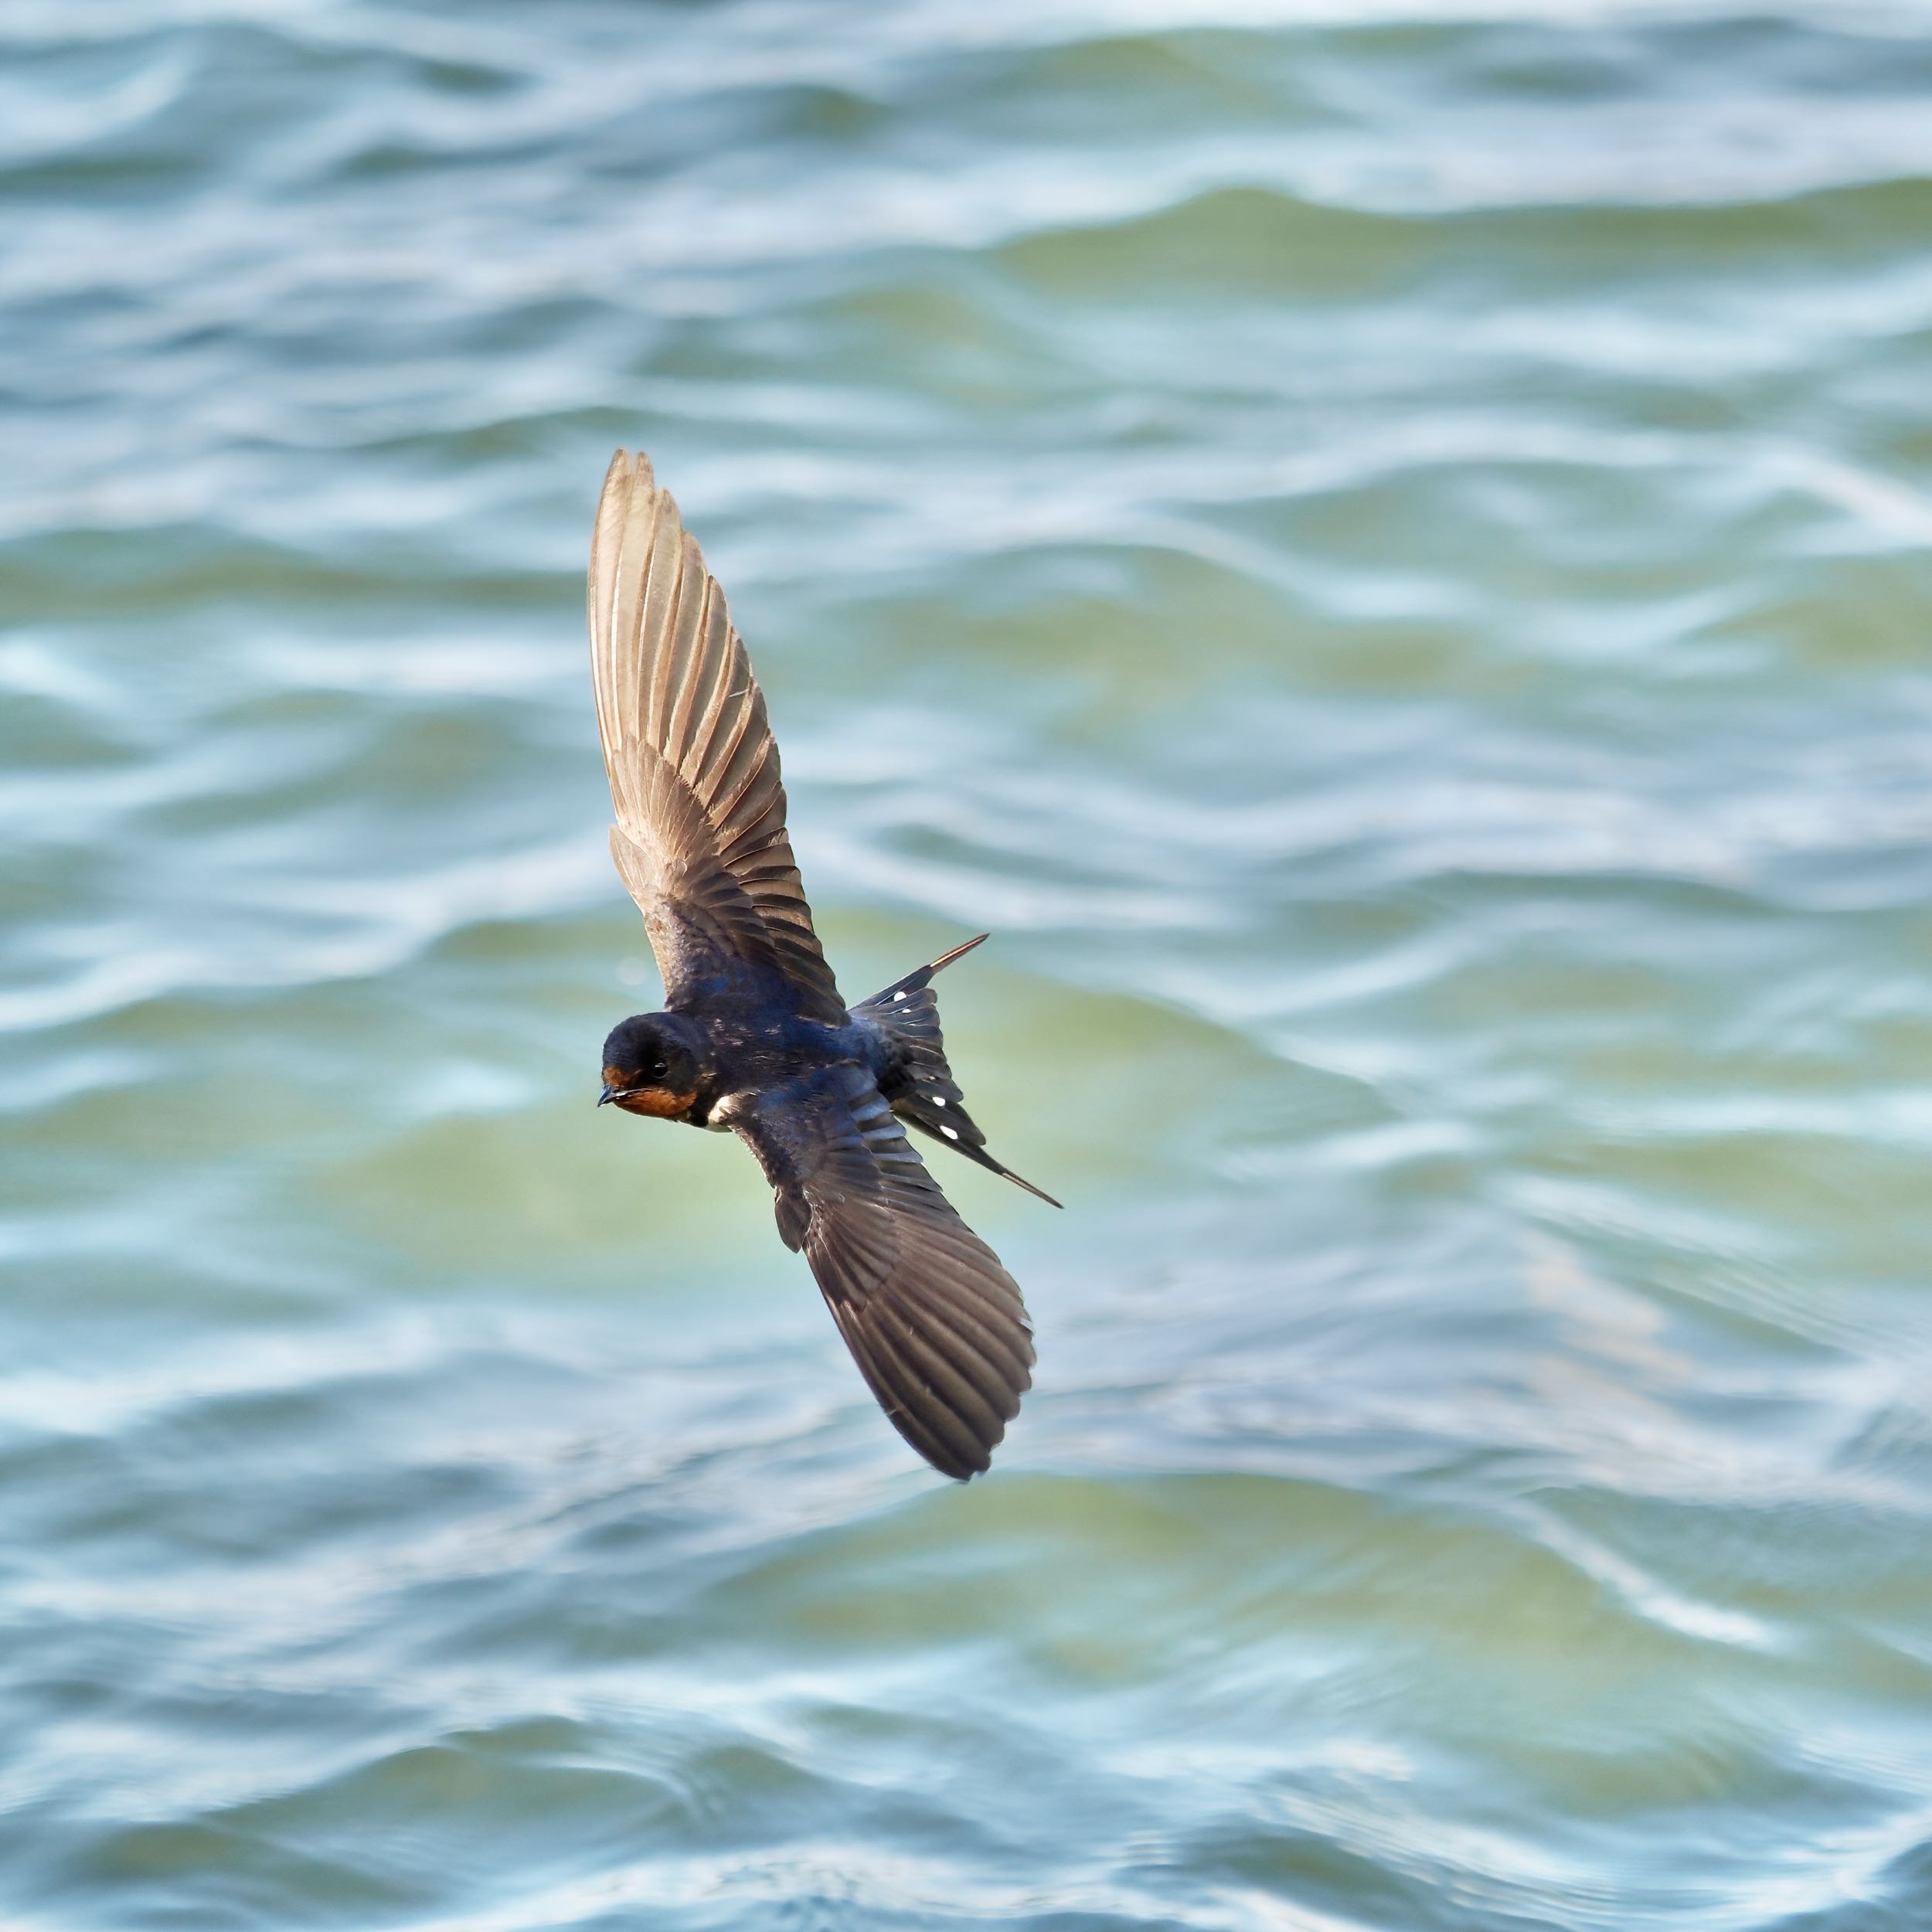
[700, 836]
[936, 1325]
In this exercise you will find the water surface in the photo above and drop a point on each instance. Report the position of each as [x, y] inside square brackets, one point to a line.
[1382, 549]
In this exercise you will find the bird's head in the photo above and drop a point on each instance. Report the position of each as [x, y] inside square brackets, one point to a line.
[653, 1063]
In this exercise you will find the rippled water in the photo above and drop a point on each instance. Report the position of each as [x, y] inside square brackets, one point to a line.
[1383, 549]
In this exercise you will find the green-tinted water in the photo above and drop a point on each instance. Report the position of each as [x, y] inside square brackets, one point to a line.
[1382, 549]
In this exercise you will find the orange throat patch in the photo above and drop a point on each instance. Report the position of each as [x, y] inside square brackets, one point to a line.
[659, 1103]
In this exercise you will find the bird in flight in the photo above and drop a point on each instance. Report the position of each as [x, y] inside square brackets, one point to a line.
[756, 1039]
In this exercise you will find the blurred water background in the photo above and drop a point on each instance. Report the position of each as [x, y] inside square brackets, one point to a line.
[1381, 548]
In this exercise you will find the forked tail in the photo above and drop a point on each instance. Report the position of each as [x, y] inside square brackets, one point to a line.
[918, 1081]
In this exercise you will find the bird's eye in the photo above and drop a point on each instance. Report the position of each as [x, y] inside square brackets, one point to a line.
[656, 1070]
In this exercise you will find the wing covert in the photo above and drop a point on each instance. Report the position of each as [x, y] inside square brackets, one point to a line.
[699, 837]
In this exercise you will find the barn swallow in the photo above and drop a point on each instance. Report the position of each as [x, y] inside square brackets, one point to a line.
[755, 1039]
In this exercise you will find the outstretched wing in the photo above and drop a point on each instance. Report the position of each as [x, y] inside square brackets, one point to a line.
[936, 1325]
[700, 834]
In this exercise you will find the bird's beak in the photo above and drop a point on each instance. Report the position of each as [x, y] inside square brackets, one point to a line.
[609, 1093]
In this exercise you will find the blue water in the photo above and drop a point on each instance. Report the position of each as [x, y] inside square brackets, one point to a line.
[1383, 549]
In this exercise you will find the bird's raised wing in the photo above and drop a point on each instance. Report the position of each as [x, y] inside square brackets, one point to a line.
[936, 1325]
[700, 836]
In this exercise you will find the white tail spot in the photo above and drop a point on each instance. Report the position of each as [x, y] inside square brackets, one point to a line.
[951, 1133]
[897, 997]
[939, 1100]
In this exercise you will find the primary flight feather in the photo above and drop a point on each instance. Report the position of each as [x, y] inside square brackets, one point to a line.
[755, 1038]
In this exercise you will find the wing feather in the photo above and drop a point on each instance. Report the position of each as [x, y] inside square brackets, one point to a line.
[699, 837]
[935, 1324]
